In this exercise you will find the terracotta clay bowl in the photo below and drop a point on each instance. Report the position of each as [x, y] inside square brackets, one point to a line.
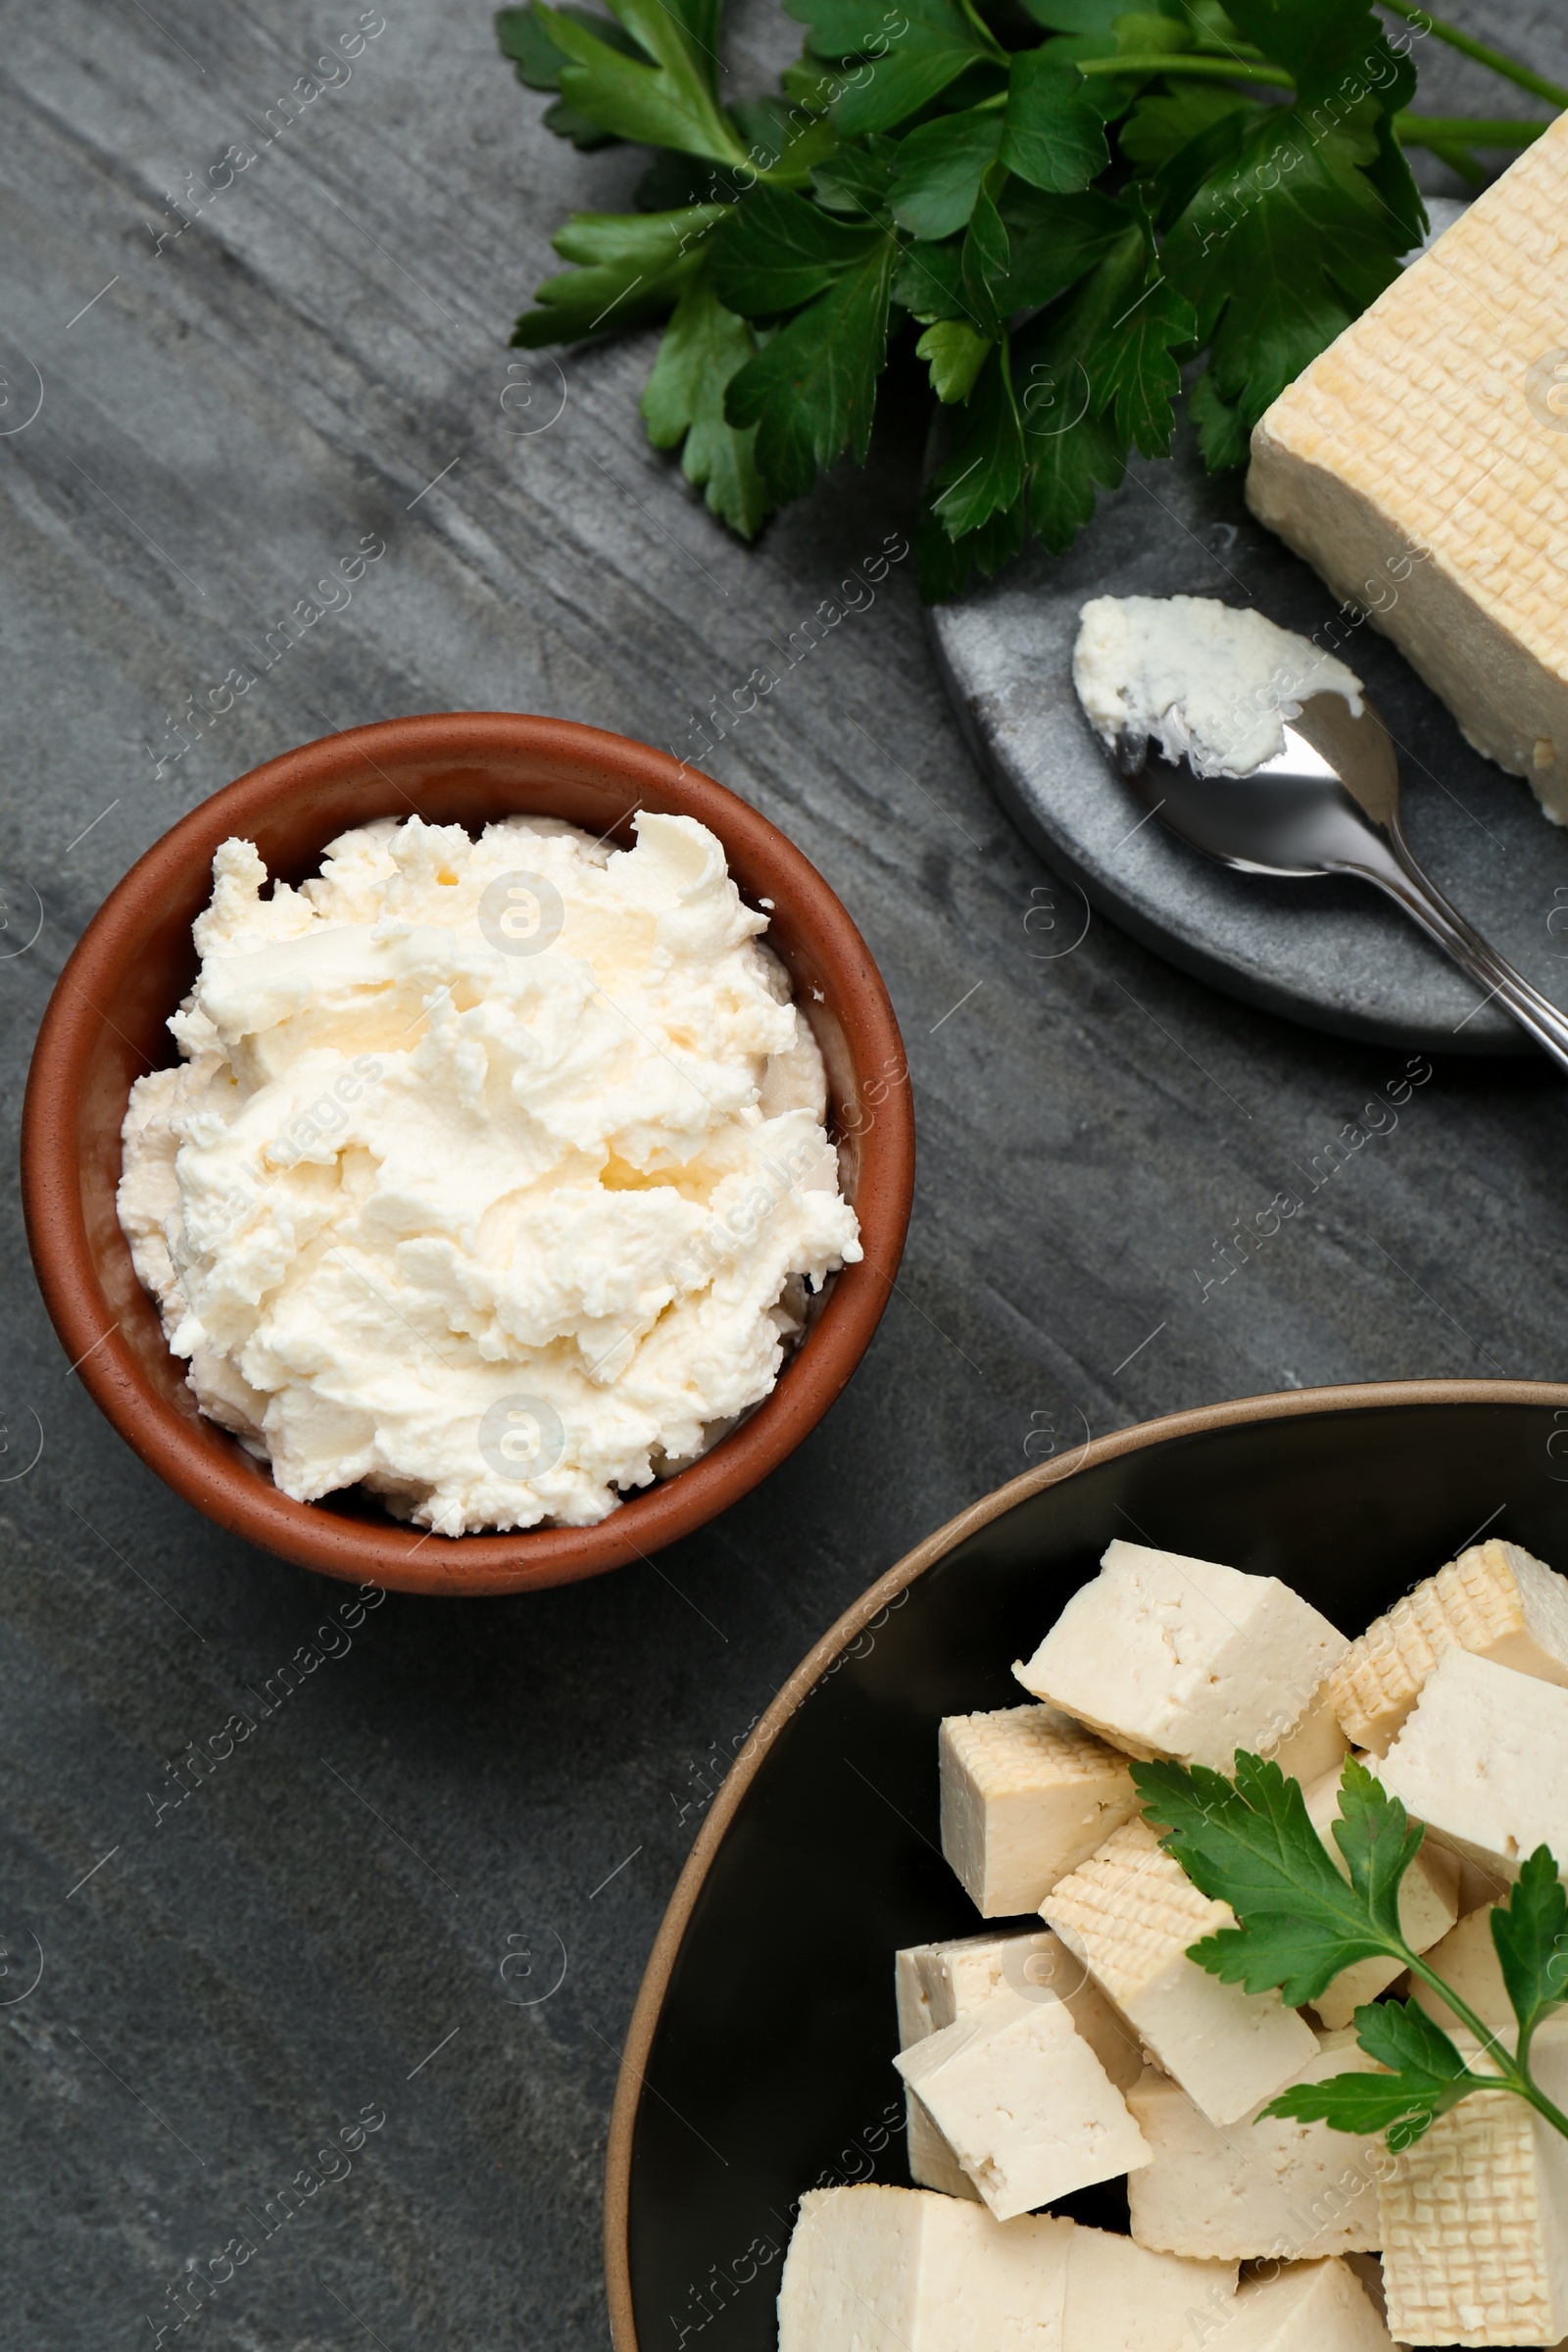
[105, 1025]
[758, 2060]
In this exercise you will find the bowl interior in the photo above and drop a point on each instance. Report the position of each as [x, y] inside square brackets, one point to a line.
[769, 2071]
[137, 961]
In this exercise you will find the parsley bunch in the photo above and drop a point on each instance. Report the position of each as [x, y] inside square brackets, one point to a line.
[1069, 203]
[1249, 1843]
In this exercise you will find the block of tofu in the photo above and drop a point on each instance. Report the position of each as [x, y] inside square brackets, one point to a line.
[1130, 1913]
[897, 2270]
[1177, 1657]
[1475, 2218]
[1314, 1743]
[1467, 1959]
[1429, 1905]
[1496, 1600]
[1024, 2102]
[1417, 466]
[1122, 2298]
[939, 1981]
[1483, 1760]
[1305, 2307]
[1026, 1795]
[1262, 2189]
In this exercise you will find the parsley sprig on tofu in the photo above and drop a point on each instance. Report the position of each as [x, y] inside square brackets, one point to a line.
[1249, 1844]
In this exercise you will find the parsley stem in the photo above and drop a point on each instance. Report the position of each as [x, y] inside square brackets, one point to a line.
[1422, 130]
[1479, 50]
[1185, 63]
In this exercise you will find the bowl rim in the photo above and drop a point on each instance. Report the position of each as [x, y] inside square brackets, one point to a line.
[366, 1550]
[1275, 1405]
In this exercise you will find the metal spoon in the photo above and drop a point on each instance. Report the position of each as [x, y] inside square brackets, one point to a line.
[1328, 803]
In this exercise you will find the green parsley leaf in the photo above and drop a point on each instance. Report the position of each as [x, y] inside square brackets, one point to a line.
[705, 346]
[1222, 435]
[1160, 127]
[1052, 241]
[1066, 461]
[984, 475]
[812, 392]
[1052, 136]
[1315, 44]
[1531, 1936]
[1249, 1844]
[956, 355]
[856, 179]
[634, 267]
[538, 63]
[1280, 253]
[665, 104]
[904, 55]
[1427, 2075]
[929, 283]
[940, 169]
[986, 265]
[524, 38]
[778, 251]
[946, 566]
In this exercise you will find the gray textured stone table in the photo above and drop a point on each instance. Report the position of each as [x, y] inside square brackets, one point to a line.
[342, 1918]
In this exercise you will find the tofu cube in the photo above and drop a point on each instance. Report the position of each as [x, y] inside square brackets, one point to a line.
[941, 1982]
[1475, 2218]
[1130, 1914]
[1026, 1795]
[1024, 2102]
[1467, 1959]
[1483, 1760]
[896, 2270]
[1306, 2307]
[937, 1983]
[1122, 2298]
[1429, 1905]
[1314, 1745]
[1269, 2188]
[1496, 1600]
[1178, 1657]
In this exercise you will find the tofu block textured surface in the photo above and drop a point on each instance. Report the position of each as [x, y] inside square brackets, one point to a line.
[1026, 1795]
[1276, 2187]
[1495, 1600]
[1475, 2219]
[1429, 430]
[1180, 1657]
[1024, 2102]
[1483, 1760]
[1130, 1913]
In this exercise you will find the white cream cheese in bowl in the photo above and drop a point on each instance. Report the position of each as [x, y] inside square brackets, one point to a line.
[495, 1177]
[1208, 684]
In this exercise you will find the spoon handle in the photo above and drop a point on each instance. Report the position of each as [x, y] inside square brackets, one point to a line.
[1413, 889]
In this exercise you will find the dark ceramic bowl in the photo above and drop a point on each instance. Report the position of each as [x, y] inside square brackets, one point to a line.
[759, 2062]
[105, 1025]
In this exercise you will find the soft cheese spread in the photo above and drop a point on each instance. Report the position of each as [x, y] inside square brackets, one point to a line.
[1208, 682]
[495, 1174]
